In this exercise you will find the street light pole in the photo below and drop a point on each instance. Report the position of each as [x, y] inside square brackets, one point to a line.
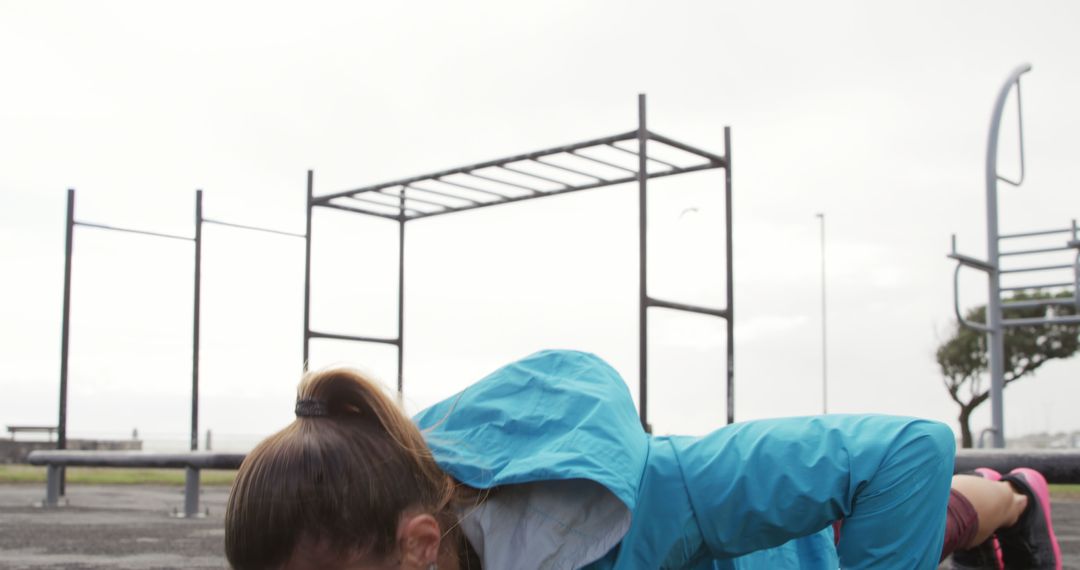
[824, 345]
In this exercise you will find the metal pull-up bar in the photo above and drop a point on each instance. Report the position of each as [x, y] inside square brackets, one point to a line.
[131, 231]
[199, 221]
[197, 294]
[72, 223]
[252, 228]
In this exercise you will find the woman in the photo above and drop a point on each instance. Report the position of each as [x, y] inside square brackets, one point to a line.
[543, 464]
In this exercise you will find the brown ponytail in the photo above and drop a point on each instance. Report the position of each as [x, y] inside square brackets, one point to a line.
[343, 479]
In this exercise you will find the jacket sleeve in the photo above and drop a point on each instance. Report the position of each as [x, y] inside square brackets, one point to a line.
[757, 485]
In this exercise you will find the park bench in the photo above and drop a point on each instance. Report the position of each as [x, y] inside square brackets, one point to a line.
[51, 430]
[1059, 466]
[192, 462]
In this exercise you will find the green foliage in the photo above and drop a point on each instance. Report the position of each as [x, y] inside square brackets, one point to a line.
[963, 356]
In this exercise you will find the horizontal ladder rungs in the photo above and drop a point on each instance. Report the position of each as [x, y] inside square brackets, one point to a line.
[1041, 250]
[1038, 268]
[1043, 286]
[1029, 303]
[1063, 320]
[1038, 233]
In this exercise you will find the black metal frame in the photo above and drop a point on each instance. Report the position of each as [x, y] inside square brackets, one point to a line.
[61, 442]
[66, 318]
[548, 172]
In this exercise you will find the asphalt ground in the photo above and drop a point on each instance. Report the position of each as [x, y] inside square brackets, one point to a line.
[133, 527]
[110, 526]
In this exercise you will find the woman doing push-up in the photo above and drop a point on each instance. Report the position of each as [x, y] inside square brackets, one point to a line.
[544, 464]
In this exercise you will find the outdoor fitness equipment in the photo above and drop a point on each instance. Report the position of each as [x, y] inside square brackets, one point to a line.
[995, 322]
[560, 170]
[65, 327]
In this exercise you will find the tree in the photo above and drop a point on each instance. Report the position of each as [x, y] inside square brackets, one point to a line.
[964, 361]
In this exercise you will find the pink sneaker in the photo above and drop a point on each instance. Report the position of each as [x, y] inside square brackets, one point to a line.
[1031, 543]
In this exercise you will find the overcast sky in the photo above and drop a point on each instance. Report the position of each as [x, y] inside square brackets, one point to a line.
[876, 115]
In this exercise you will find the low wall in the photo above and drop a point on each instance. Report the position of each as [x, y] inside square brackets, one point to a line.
[16, 451]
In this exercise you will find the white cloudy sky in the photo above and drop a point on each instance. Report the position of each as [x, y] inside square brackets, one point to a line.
[876, 115]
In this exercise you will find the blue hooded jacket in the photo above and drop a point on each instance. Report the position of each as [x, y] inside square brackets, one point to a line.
[552, 428]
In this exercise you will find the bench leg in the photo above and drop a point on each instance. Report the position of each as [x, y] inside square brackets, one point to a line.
[191, 493]
[52, 486]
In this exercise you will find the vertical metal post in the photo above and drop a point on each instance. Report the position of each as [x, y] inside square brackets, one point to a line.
[1076, 269]
[53, 476]
[195, 323]
[401, 298]
[307, 268]
[824, 335]
[643, 295]
[730, 280]
[995, 334]
[191, 492]
[65, 334]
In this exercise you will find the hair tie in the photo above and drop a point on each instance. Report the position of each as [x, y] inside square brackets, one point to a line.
[311, 408]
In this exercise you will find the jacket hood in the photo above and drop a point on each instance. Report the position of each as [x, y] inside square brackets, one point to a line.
[554, 415]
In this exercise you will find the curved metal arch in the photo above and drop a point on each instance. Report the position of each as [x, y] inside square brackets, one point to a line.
[992, 175]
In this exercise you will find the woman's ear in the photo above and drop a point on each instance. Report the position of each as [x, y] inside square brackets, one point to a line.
[419, 537]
